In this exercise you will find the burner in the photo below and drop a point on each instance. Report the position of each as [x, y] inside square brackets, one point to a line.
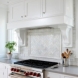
[36, 63]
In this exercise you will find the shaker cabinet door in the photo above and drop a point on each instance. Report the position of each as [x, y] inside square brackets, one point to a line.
[2, 67]
[1, 73]
[32, 9]
[52, 8]
[52, 75]
[17, 11]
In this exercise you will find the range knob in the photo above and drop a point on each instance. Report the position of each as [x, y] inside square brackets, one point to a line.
[38, 75]
[26, 73]
[17, 70]
[12, 69]
[31, 73]
[34, 74]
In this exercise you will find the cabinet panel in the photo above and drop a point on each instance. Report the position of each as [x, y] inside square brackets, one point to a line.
[8, 71]
[52, 75]
[52, 8]
[57, 75]
[2, 71]
[69, 8]
[17, 11]
[33, 9]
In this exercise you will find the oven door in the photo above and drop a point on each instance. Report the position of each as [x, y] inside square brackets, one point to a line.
[17, 76]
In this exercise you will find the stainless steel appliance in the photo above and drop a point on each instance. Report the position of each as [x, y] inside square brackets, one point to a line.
[30, 68]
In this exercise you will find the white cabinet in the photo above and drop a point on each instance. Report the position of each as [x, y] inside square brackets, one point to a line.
[58, 8]
[69, 8]
[4, 70]
[32, 9]
[16, 11]
[57, 75]
[1, 71]
[27, 9]
[52, 8]
[8, 71]
[52, 75]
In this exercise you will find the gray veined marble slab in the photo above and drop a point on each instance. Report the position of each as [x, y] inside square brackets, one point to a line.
[7, 61]
[70, 70]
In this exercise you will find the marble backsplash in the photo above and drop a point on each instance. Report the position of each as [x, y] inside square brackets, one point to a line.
[44, 38]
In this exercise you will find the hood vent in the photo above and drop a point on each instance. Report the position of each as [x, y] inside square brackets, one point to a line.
[65, 31]
[65, 24]
[59, 16]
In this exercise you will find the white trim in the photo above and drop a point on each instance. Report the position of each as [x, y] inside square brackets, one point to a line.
[32, 23]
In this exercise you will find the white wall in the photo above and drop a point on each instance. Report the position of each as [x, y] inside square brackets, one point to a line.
[3, 31]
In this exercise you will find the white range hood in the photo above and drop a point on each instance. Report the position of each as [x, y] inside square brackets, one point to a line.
[66, 34]
[64, 21]
[44, 22]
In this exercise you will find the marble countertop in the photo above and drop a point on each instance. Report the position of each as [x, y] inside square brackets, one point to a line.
[7, 61]
[70, 70]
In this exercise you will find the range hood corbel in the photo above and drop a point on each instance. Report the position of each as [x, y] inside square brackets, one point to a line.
[22, 37]
[66, 32]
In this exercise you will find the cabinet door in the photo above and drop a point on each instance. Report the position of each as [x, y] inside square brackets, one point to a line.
[52, 75]
[17, 11]
[8, 71]
[1, 71]
[69, 8]
[32, 9]
[52, 8]
[5, 72]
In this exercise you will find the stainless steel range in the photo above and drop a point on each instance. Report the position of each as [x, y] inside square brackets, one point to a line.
[30, 68]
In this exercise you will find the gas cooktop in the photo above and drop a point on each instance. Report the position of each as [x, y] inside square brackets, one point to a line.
[36, 63]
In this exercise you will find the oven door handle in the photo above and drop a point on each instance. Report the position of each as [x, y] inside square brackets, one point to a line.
[14, 75]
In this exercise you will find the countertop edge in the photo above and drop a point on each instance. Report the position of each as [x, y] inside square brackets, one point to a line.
[62, 73]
